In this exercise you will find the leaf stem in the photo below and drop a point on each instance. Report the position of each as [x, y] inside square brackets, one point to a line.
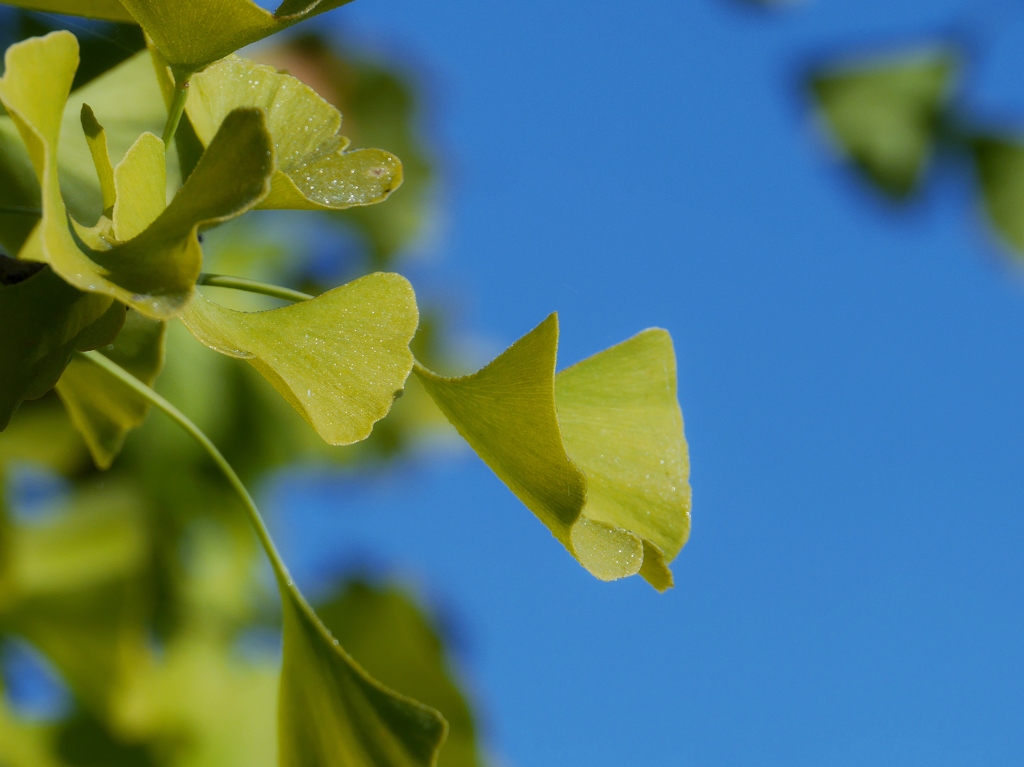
[177, 107]
[251, 286]
[196, 433]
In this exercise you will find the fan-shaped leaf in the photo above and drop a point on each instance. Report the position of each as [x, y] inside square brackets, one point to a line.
[389, 636]
[331, 712]
[1000, 164]
[103, 409]
[313, 169]
[883, 114]
[156, 271]
[44, 322]
[339, 359]
[597, 453]
[191, 34]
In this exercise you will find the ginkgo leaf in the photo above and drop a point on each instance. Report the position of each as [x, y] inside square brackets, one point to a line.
[390, 637]
[103, 409]
[140, 188]
[1000, 168]
[96, 138]
[109, 10]
[156, 271]
[331, 712]
[339, 359]
[44, 322]
[597, 453]
[884, 114]
[125, 103]
[190, 34]
[314, 172]
[19, 190]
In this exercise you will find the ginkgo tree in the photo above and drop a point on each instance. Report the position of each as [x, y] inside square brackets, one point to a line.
[104, 194]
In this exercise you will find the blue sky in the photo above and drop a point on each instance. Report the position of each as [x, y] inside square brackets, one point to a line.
[851, 378]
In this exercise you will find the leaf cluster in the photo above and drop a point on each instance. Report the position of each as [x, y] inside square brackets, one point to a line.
[105, 193]
[891, 115]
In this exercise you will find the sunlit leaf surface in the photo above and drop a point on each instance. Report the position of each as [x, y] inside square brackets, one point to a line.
[125, 103]
[44, 321]
[193, 33]
[883, 114]
[313, 169]
[597, 453]
[103, 409]
[339, 359]
[388, 635]
[1000, 164]
[156, 271]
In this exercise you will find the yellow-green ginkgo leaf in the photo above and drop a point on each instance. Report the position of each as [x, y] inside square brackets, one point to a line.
[884, 114]
[122, 104]
[313, 169]
[389, 636]
[339, 359]
[1000, 164]
[109, 10]
[597, 453]
[331, 712]
[44, 321]
[190, 34]
[103, 409]
[156, 271]
[96, 139]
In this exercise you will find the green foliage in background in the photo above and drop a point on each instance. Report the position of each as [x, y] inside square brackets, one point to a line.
[890, 115]
[140, 579]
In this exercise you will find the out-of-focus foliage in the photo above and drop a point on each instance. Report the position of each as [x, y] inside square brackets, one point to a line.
[885, 115]
[139, 550]
[891, 115]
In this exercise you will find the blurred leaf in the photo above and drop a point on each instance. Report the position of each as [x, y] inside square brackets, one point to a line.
[70, 585]
[105, 44]
[110, 10]
[339, 359]
[103, 409]
[85, 741]
[25, 744]
[1000, 167]
[203, 705]
[387, 634]
[156, 271]
[44, 322]
[621, 503]
[191, 34]
[884, 114]
[331, 712]
[43, 435]
[313, 170]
